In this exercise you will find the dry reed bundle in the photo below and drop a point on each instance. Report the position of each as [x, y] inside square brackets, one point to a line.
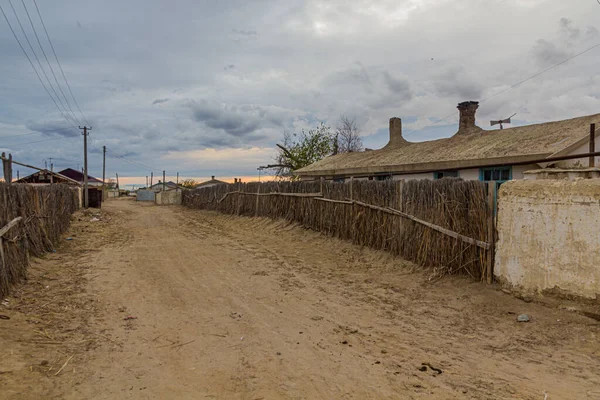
[456, 205]
[45, 212]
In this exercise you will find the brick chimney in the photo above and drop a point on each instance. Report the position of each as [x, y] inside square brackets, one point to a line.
[212, 178]
[396, 139]
[467, 111]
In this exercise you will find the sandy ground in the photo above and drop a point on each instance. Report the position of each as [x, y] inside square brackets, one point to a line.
[226, 307]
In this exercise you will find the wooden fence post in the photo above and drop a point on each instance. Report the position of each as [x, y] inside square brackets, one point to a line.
[491, 230]
[257, 200]
[7, 168]
[239, 196]
[592, 145]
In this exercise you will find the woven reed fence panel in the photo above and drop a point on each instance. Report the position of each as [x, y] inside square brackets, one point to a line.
[454, 204]
[46, 213]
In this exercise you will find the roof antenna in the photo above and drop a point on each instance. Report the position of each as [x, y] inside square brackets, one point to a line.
[502, 121]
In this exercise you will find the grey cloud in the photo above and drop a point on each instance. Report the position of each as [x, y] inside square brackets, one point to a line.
[228, 67]
[546, 53]
[567, 28]
[400, 87]
[160, 101]
[245, 32]
[455, 82]
[232, 120]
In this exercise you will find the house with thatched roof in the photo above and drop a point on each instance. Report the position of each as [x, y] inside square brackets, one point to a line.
[471, 153]
[211, 182]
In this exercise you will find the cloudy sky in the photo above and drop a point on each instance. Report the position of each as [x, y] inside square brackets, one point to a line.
[208, 87]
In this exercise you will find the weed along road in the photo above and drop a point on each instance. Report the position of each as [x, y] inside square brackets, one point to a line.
[154, 302]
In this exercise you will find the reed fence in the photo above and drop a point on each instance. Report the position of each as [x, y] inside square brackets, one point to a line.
[444, 224]
[31, 222]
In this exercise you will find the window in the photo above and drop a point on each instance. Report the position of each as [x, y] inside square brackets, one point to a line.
[499, 174]
[383, 177]
[445, 174]
[339, 180]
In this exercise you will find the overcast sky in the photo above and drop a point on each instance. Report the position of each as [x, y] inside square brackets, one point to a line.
[208, 87]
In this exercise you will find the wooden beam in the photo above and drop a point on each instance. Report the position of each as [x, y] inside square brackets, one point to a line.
[333, 201]
[592, 163]
[8, 226]
[491, 231]
[435, 227]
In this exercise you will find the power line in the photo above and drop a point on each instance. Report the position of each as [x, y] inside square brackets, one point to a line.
[38, 141]
[48, 62]
[33, 66]
[539, 73]
[114, 153]
[58, 62]
[35, 133]
[514, 85]
[36, 57]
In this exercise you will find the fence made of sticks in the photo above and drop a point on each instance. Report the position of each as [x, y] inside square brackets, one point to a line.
[445, 224]
[31, 222]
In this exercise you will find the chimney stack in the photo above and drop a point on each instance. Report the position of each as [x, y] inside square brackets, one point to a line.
[212, 178]
[396, 139]
[467, 111]
[234, 180]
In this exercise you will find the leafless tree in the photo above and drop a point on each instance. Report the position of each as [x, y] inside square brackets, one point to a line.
[347, 136]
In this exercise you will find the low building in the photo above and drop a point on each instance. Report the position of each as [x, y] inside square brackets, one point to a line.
[472, 153]
[45, 177]
[78, 176]
[211, 182]
[157, 187]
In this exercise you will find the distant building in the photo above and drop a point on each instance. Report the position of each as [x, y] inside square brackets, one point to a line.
[472, 153]
[78, 176]
[211, 182]
[45, 177]
[157, 187]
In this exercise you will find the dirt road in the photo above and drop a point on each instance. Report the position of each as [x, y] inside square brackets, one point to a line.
[169, 303]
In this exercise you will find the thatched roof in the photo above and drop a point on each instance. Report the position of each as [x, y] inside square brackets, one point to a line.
[463, 150]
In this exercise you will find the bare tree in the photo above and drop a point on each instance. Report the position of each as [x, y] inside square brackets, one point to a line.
[347, 136]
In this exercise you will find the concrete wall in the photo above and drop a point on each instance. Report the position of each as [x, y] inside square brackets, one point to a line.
[169, 197]
[145, 195]
[548, 237]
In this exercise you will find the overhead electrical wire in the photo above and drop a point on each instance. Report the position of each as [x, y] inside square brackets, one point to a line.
[50, 65]
[513, 85]
[39, 63]
[115, 154]
[38, 141]
[59, 65]
[33, 66]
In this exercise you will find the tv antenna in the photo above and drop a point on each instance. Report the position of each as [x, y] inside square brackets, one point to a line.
[502, 121]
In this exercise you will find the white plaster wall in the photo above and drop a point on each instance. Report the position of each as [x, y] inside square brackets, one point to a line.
[471, 174]
[579, 162]
[169, 197]
[548, 236]
[426, 175]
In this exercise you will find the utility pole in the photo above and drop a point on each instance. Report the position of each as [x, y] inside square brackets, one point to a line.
[164, 181]
[118, 187]
[51, 170]
[103, 167]
[146, 181]
[178, 179]
[85, 166]
[151, 176]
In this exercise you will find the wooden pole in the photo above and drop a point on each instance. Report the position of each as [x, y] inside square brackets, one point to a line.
[592, 144]
[103, 168]
[164, 183]
[118, 187]
[151, 178]
[491, 231]
[257, 201]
